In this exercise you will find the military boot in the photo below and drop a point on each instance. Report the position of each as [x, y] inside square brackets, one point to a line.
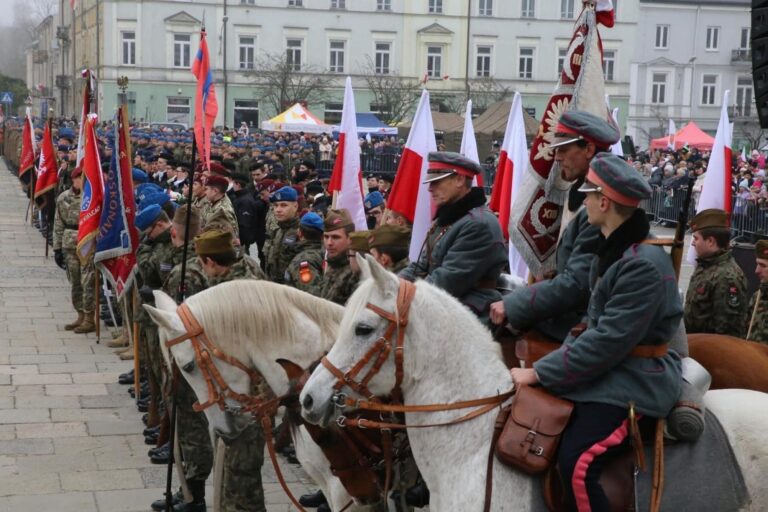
[127, 354]
[119, 342]
[76, 323]
[87, 324]
[197, 488]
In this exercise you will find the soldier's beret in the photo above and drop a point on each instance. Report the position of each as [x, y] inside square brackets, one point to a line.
[314, 187]
[180, 217]
[219, 169]
[390, 235]
[284, 194]
[761, 248]
[147, 216]
[709, 218]
[274, 186]
[311, 220]
[76, 173]
[154, 197]
[214, 241]
[338, 219]
[359, 241]
[139, 176]
[578, 125]
[616, 180]
[373, 199]
[214, 180]
[241, 177]
[144, 189]
[445, 163]
[309, 164]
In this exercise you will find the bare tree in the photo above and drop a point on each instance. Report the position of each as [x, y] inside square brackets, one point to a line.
[28, 14]
[483, 92]
[282, 84]
[752, 132]
[393, 96]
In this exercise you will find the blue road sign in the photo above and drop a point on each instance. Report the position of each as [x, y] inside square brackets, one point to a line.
[6, 97]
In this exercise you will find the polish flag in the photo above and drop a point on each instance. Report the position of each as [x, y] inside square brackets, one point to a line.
[410, 195]
[345, 178]
[606, 15]
[616, 149]
[671, 131]
[469, 143]
[716, 190]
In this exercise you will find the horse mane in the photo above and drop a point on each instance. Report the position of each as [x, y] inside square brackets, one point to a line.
[262, 309]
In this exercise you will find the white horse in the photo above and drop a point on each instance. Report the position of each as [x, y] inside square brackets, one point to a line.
[257, 322]
[448, 357]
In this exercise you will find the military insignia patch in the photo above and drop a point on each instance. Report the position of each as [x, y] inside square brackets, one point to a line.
[305, 272]
[733, 296]
[289, 240]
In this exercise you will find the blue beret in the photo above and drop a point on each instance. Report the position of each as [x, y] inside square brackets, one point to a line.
[578, 125]
[616, 180]
[373, 199]
[284, 194]
[147, 216]
[154, 197]
[139, 176]
[67, 132]
[312, 220]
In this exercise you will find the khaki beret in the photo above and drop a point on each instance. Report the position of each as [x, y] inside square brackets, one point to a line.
[359, 241]
[709, 218]
[338, 219]
[180, 217]
[390, 235]
[215, 241]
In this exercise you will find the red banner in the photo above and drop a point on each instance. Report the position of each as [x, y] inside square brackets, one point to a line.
[27, 160]
[93, 192]
[47, 168]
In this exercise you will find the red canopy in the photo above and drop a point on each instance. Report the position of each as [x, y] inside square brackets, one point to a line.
[690, 135]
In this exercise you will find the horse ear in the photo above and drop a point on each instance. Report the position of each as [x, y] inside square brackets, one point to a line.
[385, 279]
[292, 370]
[362, 262]
[168, 320]
[164, 301]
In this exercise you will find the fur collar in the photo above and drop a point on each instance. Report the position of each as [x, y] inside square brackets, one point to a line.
[450, 213]
[609, 250]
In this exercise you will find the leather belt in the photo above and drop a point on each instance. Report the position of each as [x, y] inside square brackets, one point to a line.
[486, 284]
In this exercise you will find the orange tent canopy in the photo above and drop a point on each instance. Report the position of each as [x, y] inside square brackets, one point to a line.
[690, 135]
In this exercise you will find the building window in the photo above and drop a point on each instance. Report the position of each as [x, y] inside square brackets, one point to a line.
[181, 50]
[247, 52]
[247, 111]
[485, 8]
[248, 2]
[383, 5]
[484, 61]
[562, 53]
[434, 61]
[662, 37]
[713, 38]
[567, 9]
[129, 48]
[382, 58]
[529, 9]
[659, 88]
[338, 4]
[337, 57]
[526, 63]
[609, 63]
[744, 43]
[293, 54]
[295, 3]
[435, 6]
[708, 89]
[177, 110]
[744, 96]
[333, 113]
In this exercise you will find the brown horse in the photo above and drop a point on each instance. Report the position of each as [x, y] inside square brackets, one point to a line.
[732, 362]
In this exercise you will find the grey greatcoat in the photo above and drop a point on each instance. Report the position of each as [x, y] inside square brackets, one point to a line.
[554, 306]
[636, 302]
[464, 253]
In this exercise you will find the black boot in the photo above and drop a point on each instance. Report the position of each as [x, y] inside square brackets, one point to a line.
[159, 505]
[312, 500]
[417, 495]
[197, 488]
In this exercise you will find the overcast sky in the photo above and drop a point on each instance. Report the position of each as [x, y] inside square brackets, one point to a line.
[6, 8]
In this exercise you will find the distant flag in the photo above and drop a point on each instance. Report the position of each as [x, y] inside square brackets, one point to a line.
[118, 239]
[93, 192]
[28, 149]
[469, 143]
[72, 4]
[88, 89]
[47, 168]
[206, 106]
[671, 132]
[616, 149]
[716, 189]
[345, 178]
[410, 195]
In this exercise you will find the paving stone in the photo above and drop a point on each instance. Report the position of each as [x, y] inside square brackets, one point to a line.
[68, 368]
[137, 500]
[95, 378]
[18, 369]
[45, 378]
[26, 447]
[54, 430]
[36, 359]
[35, 402]
[60, 502]
[75, 389]
[23, 484]
[102, 480]
[24, 415]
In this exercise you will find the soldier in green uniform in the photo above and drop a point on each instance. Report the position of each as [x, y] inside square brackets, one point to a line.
[339, 280]
[757, 327]
[81, 276]
[219, 205]
[389, 244]
[242, 489]
[284, 241]
[305, 271]
[716, 300]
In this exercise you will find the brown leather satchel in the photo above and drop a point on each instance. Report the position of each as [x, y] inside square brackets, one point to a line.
[532, 426]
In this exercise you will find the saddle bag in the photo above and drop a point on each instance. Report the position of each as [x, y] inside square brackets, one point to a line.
[531, 427]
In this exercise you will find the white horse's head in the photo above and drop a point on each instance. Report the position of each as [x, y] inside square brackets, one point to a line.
[223, 422]
[360, 329]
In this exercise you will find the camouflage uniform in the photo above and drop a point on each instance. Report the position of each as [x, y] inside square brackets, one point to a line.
[220, 211]
[759, 323]
[283, 247]
[270, 230]
[305, 271]
[241, 269]
[716, 299]
[81, 277]
[339, 281]
[400, 265]
[201, 203]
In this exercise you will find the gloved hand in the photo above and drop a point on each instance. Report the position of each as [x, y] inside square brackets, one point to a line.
[145, 292]
[58, 257]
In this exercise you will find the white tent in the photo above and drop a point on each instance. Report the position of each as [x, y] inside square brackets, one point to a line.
[296, 119]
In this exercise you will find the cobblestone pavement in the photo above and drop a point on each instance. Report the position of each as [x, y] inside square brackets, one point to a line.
[70, 436]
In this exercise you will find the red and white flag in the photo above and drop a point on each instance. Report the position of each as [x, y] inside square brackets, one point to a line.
[716, 189]
[469, 143]
[87, 97]
[671, 131]
[617, 149]
[346, 177]
[410, 195]
[28, 149]
[47, 168]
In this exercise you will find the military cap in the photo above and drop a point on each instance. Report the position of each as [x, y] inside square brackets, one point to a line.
[263, 184]
[709, 218]
[214, 180]
[154, 197]
[139, 176]
[359, 241]
[214, 241]
[309, 164]
[241, 177]
[76, 173]
[577, 125]
[314, 187]
[147, 216]
[761, 249]
[311, 220]
[63, 147]
[445, 163]
[616, 180]
[66, 133]
[373, 199]
[389, 178]
[390, 235]
[338, 219]
[284, 194]
[219, 169]
[146, 188]
[180, 217]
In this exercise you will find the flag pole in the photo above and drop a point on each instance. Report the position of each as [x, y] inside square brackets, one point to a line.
[136, 362]
[50, 218]
[97, 309]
